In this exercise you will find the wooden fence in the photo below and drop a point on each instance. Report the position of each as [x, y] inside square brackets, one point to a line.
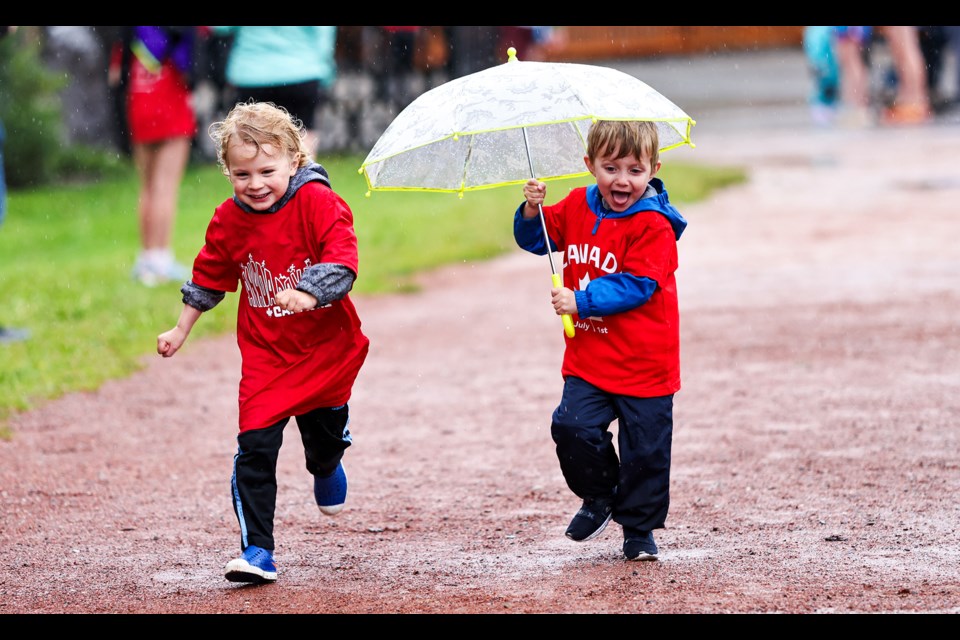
[598, 42]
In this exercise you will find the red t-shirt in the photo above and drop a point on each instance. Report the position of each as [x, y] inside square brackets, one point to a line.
[292, 363]
[637, 352]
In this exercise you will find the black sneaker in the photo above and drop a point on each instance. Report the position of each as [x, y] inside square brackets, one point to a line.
[591, 519]
[639, 545]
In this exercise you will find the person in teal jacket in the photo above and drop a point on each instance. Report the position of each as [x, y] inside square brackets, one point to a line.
[825, 72]
[292, 67]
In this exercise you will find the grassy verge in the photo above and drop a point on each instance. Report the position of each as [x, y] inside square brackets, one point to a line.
[68, 250]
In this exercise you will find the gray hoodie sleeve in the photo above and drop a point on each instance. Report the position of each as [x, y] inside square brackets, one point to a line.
[200, 297]
[327, 282]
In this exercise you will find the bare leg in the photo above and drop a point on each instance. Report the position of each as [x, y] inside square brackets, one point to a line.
[912, 102]
[854, 78]
[161, 167]
[143, 155]
[161, 190]
[854, 83]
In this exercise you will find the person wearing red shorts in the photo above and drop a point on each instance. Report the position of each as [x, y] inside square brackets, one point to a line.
[154, 65]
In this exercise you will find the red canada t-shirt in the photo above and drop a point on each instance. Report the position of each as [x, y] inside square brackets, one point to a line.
[292, 362]
[637, 352]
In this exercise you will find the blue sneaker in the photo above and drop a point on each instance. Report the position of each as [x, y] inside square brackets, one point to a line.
[255, 565]
[331, 492]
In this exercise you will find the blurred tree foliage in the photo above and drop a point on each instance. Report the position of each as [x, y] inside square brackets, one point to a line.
[35, 152]
[30, 109]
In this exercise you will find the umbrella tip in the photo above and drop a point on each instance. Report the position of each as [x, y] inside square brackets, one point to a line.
[512, 54]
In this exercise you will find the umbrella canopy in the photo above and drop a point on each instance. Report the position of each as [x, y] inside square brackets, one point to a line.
[494, 127]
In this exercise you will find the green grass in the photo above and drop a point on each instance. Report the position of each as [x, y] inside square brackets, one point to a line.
[68, 250]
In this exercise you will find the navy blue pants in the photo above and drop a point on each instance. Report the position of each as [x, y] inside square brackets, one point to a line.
[325, 434]
[590, 464]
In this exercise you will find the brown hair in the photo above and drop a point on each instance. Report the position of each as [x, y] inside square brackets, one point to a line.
[636, 138]
[259, 123]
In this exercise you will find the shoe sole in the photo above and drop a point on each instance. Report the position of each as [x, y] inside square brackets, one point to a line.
[242, 571]
[331, 510]
[595, 533]
[644, 556]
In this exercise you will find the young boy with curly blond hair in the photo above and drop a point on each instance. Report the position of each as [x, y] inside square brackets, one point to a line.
[288, 240]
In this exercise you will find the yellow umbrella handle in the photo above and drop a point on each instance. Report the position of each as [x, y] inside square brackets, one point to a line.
[567, 320]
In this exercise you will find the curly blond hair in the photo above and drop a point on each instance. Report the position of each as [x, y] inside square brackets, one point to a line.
[258, 124]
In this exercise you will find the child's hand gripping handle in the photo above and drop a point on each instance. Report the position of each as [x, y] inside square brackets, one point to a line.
[557, 279]
[567, 320]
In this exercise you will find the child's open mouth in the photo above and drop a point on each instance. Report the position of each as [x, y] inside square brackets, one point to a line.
[619, 198]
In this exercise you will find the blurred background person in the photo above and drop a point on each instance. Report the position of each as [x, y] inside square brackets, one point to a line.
[473, 49]
[292, 67]
[935, 47]
[394, 70]
[153, 66]
[911, 103]
[953, 42]
[824, 71]
[851, 45]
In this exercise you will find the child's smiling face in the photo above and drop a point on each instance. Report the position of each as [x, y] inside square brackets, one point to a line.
[622, 181]
[261, 176]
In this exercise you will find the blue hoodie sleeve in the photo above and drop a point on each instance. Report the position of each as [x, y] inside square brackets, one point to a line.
[529, 233]
[615, 293]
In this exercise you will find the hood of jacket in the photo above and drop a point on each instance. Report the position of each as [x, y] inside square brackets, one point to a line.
[654, 199]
